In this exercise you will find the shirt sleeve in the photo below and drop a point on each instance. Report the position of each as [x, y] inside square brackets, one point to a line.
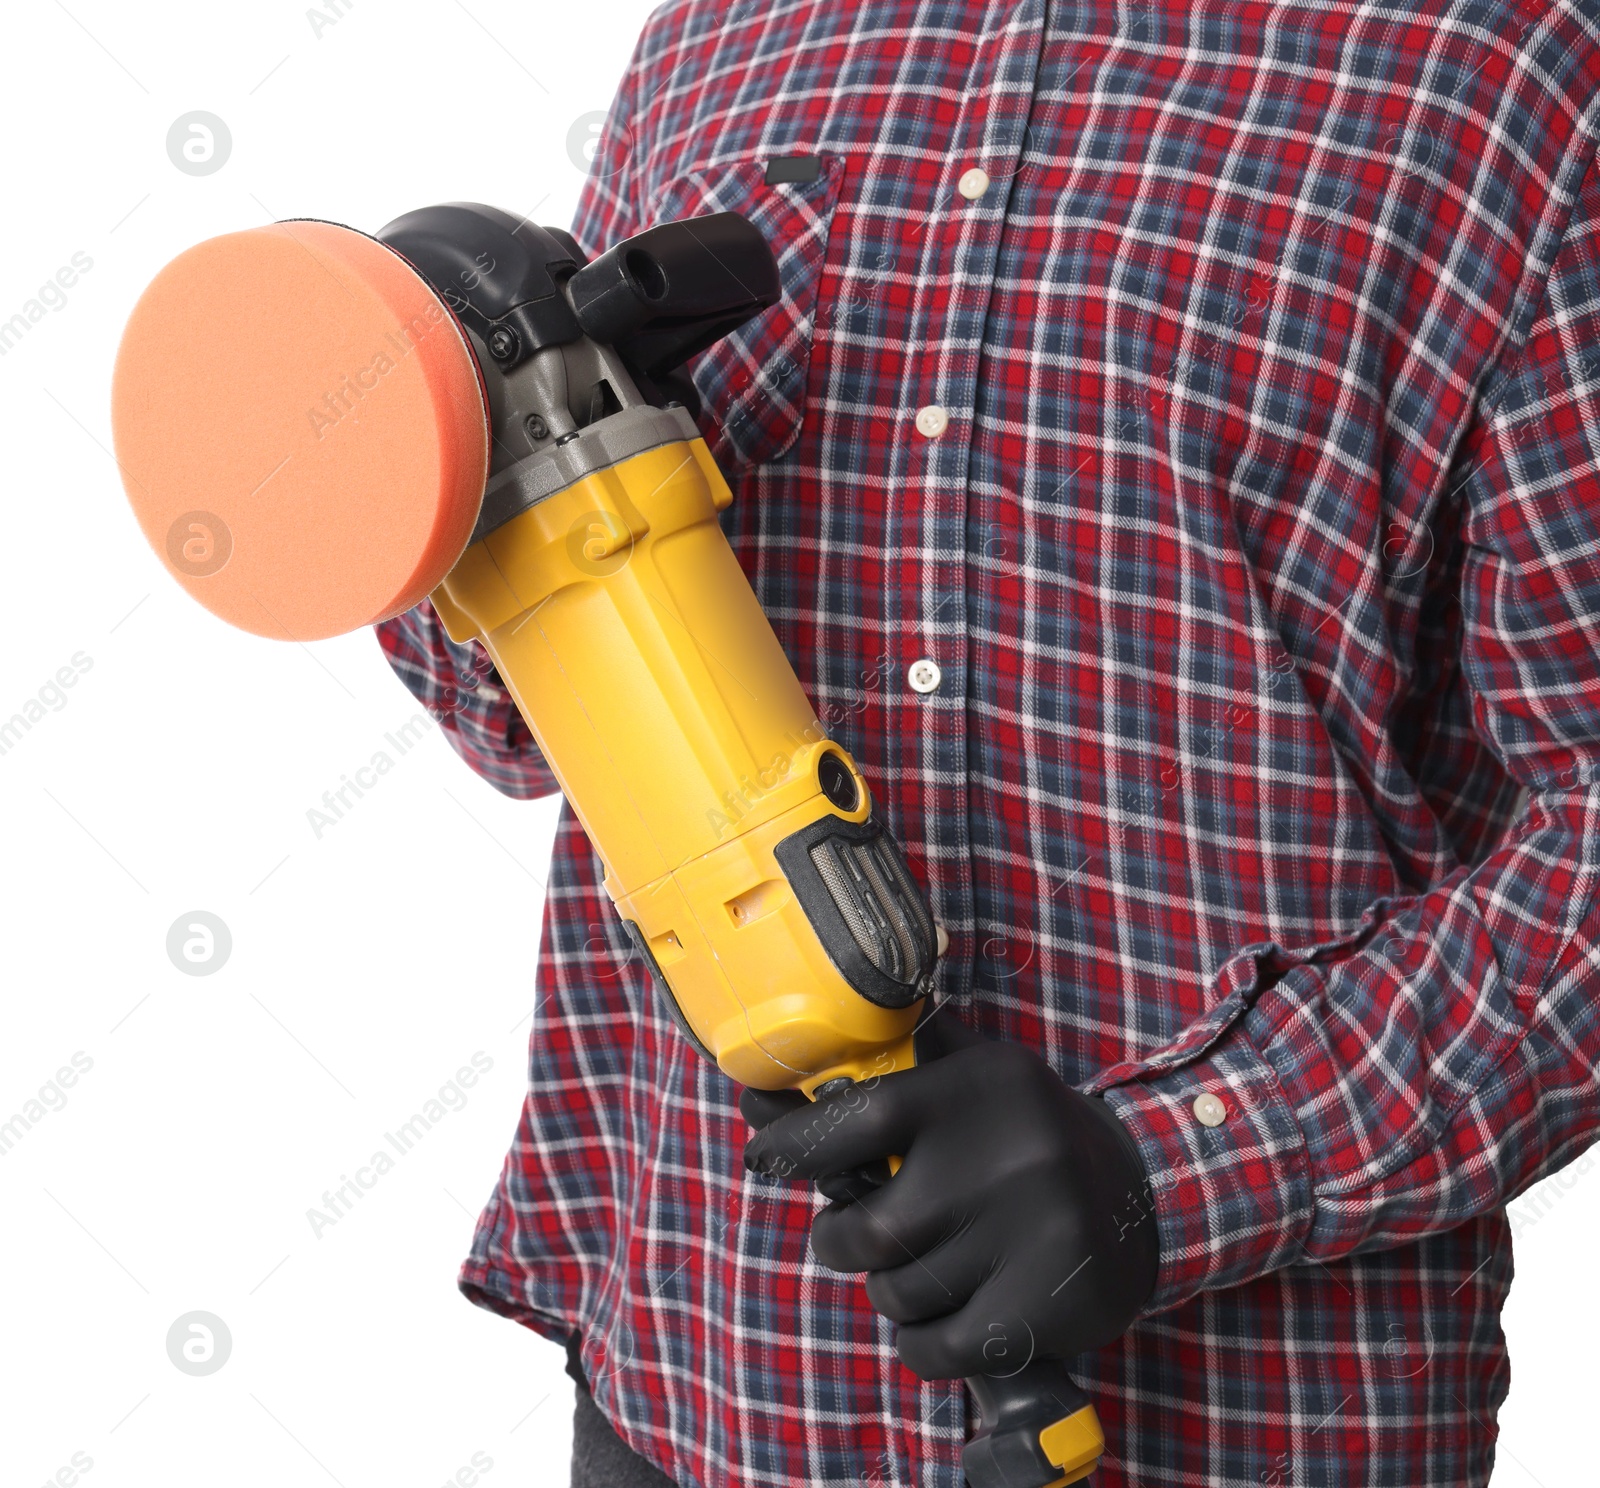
[458, 684]
[1440, 1061]
[464, 695]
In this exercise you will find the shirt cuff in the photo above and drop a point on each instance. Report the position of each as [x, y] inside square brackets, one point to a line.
[1232, 1199]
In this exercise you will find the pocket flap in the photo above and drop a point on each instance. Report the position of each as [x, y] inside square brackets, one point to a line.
[752, 383]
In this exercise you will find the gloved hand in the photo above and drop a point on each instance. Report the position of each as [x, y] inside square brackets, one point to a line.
[1020, 1216]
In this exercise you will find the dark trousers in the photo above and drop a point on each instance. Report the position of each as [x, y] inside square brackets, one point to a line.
[600, 1458]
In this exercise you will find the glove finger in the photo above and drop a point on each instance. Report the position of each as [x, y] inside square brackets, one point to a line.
[761, 1107]
[975, 1339]
[854, 1183]
[939, 1283]
[844, 1131]
[901, 1222]
[941, 1033]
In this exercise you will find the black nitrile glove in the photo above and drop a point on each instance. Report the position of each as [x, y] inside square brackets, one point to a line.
[1019, 1225]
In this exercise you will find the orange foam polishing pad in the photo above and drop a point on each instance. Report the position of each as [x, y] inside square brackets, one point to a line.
[301, 427]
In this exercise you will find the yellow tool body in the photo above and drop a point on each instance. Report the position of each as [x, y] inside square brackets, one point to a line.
[630, 639]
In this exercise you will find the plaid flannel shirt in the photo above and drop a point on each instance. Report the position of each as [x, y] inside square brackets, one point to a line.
[1260, 556]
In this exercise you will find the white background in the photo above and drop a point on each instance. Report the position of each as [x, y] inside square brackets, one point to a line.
[176, 775]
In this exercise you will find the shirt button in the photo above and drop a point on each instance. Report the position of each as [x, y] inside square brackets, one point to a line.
[973, 183]
[1209, 1110]
[924, 675]
[933, 420]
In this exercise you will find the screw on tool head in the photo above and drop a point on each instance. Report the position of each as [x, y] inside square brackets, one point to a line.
[503, 344]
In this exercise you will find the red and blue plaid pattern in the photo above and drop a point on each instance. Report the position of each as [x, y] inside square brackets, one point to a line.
[1261, 557]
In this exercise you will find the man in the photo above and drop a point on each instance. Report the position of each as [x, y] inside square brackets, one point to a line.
[1174, 470]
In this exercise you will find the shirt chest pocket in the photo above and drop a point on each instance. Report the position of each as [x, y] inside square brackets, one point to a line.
[752, 383]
